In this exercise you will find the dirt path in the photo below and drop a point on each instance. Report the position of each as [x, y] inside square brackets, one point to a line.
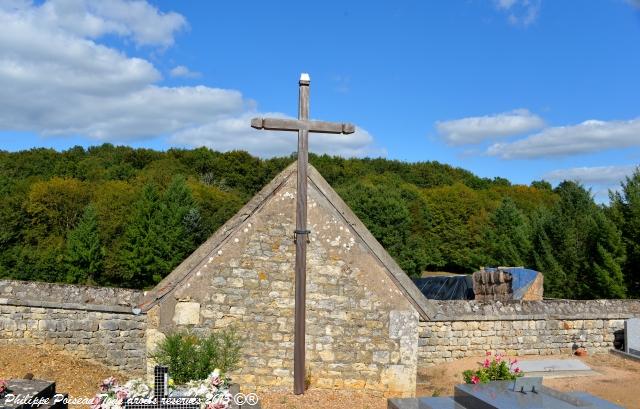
[616, 381]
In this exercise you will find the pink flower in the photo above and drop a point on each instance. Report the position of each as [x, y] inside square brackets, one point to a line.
[517, 370]
[96, 402]
[498, 358]
[488, 353]
[108, 383]
[216, 381]
[513, 361]
[3, 386]
[487, 363]
[122, 394]
[475, 379]
[217, 405]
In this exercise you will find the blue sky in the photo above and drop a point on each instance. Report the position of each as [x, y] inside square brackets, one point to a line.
[522, 89]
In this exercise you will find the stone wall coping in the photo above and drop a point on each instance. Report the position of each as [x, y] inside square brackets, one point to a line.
[118, 309]
[69, 293]
[536, 310]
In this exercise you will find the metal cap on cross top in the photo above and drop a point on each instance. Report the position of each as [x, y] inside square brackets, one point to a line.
[303, 126]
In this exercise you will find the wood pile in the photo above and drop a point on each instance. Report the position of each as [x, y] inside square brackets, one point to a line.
[492, 285]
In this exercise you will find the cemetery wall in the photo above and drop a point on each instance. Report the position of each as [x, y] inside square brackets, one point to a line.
[95, 323]
[469, 328]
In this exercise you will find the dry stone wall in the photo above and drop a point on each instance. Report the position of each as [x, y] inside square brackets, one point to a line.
[89, 322]
[522, 328]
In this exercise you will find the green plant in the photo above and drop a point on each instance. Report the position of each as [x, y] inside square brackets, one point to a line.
[495, 369]
[191, 357]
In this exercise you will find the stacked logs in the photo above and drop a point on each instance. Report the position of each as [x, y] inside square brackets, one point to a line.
[492, 285]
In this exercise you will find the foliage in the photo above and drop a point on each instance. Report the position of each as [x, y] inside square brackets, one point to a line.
[625, 213]
[151, 209]
[191, 357]
[495, 368]
[84, 257]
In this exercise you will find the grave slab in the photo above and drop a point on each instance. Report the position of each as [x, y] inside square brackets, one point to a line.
[500, 395]
[632, 336]
[555, 368]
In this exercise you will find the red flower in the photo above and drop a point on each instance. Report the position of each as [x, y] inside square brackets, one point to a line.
[488, 353]
[517, 370]
[487, 363]
[475, 379]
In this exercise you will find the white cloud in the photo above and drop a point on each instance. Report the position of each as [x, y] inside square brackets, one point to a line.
[56, 79]
[634, 3]
[589, 136]
[520, 12]
[477, 129]
[182, 71]
[139, 20]
[597, 175]
[229, 133]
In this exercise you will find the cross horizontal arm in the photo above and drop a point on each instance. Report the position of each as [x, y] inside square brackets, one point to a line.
[294, 125]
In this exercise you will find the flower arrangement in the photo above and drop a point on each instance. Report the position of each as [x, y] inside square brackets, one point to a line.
[4, 388]
[212, 391]
[494, 368]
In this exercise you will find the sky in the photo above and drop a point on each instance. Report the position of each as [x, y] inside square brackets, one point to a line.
[520, 89]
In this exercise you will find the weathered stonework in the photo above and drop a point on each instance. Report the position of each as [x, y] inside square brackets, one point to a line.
[521, 328]
[362, 332]
[115, 339]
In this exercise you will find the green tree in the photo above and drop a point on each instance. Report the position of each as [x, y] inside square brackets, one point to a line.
[625, 212]
[84, 256]
[507, 237]
[141, 251]
[581, 247]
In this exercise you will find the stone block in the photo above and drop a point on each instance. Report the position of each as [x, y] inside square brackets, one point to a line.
[187, 313]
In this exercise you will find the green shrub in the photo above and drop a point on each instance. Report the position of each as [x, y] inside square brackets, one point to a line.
[496, 369]
[191, 357]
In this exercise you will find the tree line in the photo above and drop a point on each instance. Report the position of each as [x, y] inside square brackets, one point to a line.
[119, 216]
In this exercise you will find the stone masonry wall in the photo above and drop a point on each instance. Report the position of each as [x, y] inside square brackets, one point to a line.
[361, 332]
[75, 319]
[521, 328]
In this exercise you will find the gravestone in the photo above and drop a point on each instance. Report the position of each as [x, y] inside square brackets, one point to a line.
[632, 336]
[31, 393]
[529, 394]
[555, 368]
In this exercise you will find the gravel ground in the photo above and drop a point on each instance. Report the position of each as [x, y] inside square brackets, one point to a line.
[78, 377]
[616, 380]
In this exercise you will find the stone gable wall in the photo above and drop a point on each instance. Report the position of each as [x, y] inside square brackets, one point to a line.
[521, 328]
[362, 333]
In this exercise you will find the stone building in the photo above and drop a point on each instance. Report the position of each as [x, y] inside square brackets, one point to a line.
[362, 309]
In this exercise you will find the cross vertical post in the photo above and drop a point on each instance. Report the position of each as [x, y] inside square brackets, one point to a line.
[301, 237]
[303, 126]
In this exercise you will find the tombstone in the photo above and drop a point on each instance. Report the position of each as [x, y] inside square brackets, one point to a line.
[30, 393]
[632, 336]
[555, 368]
[527, 392]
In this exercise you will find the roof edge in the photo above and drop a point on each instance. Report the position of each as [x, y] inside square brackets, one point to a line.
[207, 249]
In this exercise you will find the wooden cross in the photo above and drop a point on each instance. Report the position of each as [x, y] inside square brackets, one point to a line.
[303, 126]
